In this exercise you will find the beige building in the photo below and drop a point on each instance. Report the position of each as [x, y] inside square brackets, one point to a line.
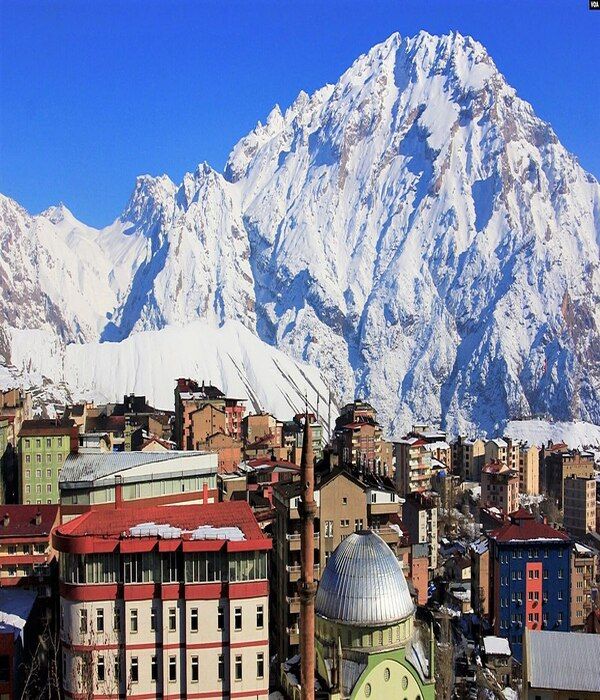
[499, 487]
[344, 505]
[470, 458]
[583, 582]
[413, 465]
[529, 469]
[164, 602]
[579, 505]
[419, 514]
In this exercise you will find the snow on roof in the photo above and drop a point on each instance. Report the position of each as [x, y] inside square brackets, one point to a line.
[499, 442]
[496, 645]
[15, 608]
[438, 445]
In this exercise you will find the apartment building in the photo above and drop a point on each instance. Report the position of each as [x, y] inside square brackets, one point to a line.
[579, 506]
[26, 557]
[358, 440]
[189, 397]
[105, 480]
[420, 515]
[499, 487]
[529, 469]
[293, 437]
[584, 567]
[469, 457]
[530, 578]
[345, 504]
[413, 465]
[164, 602]
[558, 463]
[43, 447]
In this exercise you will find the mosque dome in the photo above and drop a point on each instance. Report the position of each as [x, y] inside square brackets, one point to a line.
[363, 584]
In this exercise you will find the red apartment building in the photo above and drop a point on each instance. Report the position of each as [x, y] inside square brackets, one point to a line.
[169, 601]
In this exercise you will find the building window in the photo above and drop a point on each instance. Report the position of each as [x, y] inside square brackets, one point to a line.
[48, 488]
[59, 457]
[153, 669]
[260, 665]
[238, 619]
[100, 620]
[238, 668]
[153, 619]
[220, 618]
[101, 668]
[38, 489]
[329, 528]
[260, 616]
[38, 442]
[38, 473]
[38, 459]
[59, 442]
[83, 620]
[560, 594]
[117, 618]
[560, 573]
[195, 670]
[172, 669]
[344, 500]
[133, 620]
[28, 489]
[48, 442]
[194, 620]
[172, 620]
[48, 473]
[134, 670]
[221, 668]
[27, 442]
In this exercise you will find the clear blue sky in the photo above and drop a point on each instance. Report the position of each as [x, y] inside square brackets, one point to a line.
[95, 93]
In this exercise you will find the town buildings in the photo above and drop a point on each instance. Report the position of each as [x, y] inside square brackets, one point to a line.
[579, 505]
[469, 457]
[164, 602]
[499, 487]
[105, 480]
[413, 465]
[27, 559]
[190, 397]
[584, 568]
[529, 469]
[43, 447]
[558, 462]
[420, 516]
[530, 578]
[358, 441]
[368, 642]
[560, 666]
[344, 504]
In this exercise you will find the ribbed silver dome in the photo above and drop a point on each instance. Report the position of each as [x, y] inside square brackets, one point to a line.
[363, 584]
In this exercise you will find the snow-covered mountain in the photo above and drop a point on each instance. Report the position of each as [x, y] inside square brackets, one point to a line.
[414, 231]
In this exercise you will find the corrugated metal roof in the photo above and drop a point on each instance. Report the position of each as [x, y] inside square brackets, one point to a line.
[363, 584]
[91, 466]
[563, 661]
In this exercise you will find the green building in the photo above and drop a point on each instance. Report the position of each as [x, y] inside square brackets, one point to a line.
[368, 643]
[43, 447]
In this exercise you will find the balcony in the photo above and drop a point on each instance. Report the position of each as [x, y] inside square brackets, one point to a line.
[387, 533]
[294, 603]
[294, 539]
[294, 571]
[294, 634]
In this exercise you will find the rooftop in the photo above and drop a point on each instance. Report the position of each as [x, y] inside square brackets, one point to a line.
[363, 584]
[563, 661]
[88, 467]
[207, 521]
[496, 645]
[22, 520]
[45, 426]
[521, 526]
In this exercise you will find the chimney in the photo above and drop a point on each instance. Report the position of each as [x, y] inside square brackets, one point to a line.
[38, 518]
[6, 520]
[307, 587]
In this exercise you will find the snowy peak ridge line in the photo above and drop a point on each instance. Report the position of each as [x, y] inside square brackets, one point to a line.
[414, 231]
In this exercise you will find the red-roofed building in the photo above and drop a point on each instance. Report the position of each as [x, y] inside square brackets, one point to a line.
[530, 574]
[164, 601]
[27, 558]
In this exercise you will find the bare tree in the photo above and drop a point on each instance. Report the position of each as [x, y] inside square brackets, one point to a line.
[444, 662]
